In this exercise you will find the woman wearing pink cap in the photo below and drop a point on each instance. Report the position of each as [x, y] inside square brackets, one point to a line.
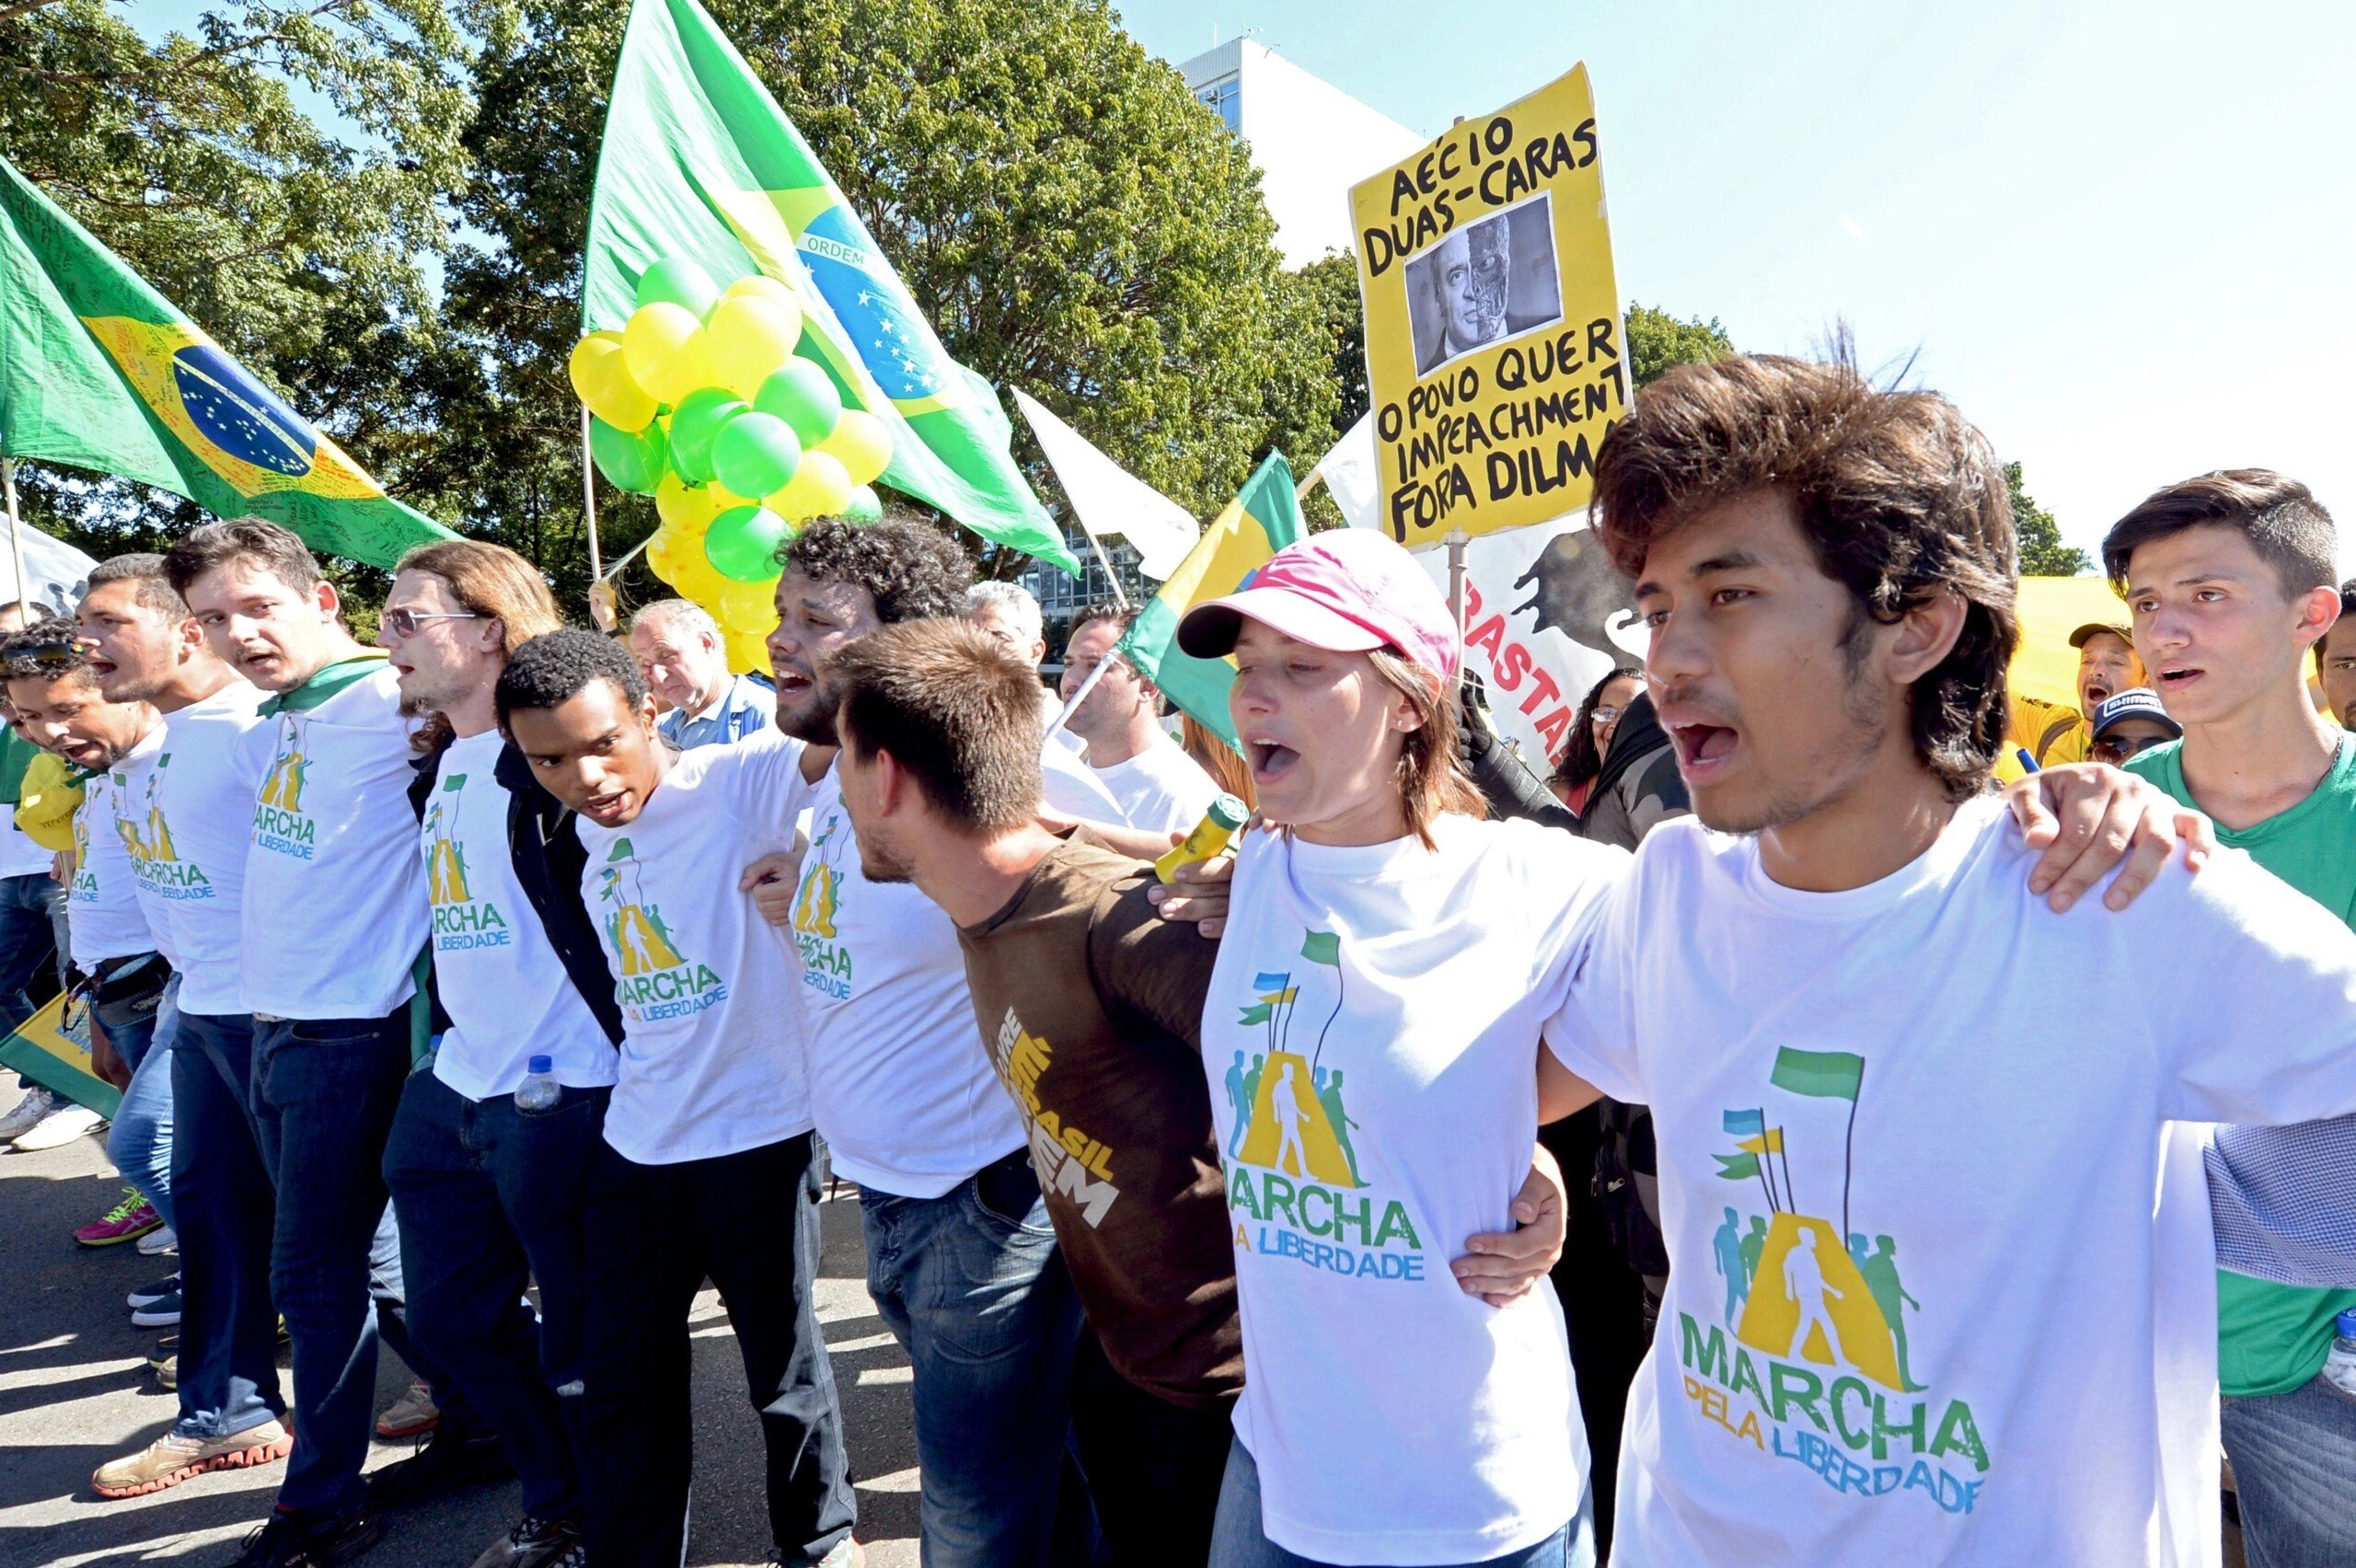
[1388, 962]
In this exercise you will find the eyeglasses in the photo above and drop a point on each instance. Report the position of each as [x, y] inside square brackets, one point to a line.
[1605, 715]
[2119, 750]
[403, 623]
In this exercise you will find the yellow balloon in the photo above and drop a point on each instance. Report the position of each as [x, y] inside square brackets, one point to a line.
[662, 346]
[686, 509]
[750, 337]
[760, 285]
[748, 651]
[820, 488]
[862, 443]
[663, 553]
[749, 607]
[602, 381]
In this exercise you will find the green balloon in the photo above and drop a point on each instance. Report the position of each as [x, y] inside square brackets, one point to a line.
[630, 460]
[756, 454]
[864, 506]
[742, 543]
[678, 280]
[804, 396]
[695, 423]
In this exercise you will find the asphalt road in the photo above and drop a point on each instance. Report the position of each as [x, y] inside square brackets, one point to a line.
[75, 1390]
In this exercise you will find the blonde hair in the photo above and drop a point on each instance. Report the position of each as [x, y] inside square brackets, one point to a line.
[488, 580]
[1431, 776]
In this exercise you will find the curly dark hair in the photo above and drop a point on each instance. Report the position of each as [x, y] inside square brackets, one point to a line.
[556, 666]
[1581, 761]
[1901, 497]
[912, 569]
[45, 649]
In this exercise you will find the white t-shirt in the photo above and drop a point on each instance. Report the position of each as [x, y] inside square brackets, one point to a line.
[103, 918]
[19, 856]
[903, 1092]
[2006, 1363]
[1050, 704]
[1071, 787]
[1160, 790]
[712, 1059]
[335, 891]
[184, 805]
[508, 994]
[1373, 1025]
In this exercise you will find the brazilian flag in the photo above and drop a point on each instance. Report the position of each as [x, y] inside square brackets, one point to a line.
[699, 161]
[1264, 518]
[53, 1049]
[99, 371]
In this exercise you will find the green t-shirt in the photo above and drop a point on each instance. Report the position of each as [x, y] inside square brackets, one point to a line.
[2272, 1338]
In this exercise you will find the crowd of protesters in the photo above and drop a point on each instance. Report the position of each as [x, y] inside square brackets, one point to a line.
[489, 991]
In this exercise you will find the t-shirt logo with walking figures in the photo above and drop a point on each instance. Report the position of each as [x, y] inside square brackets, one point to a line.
[155, 866]
[1294, 1186]
[461, 921]
[825, 961]
[280, 823]
[1805, 1296]
[657, 981]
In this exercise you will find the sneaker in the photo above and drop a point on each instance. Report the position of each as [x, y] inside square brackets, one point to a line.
[158, 1241]
[437, 1469]
[847, 1553]
[296, 1540]
[413, 1413]
[146, 1295]
[127, 1221]
[59, 1127]
[167, 1349]
[168, 1373]
[27, 1112]
[536, 1543]
[162, 1313]
[171, 1460]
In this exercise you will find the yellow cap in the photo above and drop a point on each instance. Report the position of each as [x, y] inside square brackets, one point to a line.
[50, 796]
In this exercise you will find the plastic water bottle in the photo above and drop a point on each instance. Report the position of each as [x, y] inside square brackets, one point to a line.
[2339, 1366]
[540, 1090]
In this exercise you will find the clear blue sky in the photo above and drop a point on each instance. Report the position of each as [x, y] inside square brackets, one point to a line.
[2123, 236]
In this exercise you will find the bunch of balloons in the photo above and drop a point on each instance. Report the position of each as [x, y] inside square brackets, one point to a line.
[701, 402]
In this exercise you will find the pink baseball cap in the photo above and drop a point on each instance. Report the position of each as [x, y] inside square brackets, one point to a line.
[1346, 591]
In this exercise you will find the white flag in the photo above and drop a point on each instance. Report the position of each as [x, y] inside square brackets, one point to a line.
[1350, 476]
[1108, 498]
[56, 570]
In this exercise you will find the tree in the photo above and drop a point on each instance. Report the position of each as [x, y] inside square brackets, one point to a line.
[1657, 342]
[298, 250]
[1067, 216]
[2042, 552]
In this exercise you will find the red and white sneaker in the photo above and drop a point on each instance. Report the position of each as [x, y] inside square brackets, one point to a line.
[127, 1221]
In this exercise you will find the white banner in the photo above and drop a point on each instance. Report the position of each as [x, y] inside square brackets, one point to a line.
[1108, 498]
[56, 568]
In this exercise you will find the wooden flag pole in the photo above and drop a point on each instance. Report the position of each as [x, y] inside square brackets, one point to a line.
[1455, 541]
[589, 496]
[16, 539]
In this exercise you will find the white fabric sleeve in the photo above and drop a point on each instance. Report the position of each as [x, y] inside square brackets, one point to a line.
[769, 791]
[2251, 988]
[1594, 1032]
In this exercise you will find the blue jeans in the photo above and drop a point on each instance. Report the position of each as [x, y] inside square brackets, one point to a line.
[140, 1141]
[323, 1097]
[2294, 1473]
[221, 1196]
[1237, 1541]
[490, 1197]
[32, 930]
[971, 1286]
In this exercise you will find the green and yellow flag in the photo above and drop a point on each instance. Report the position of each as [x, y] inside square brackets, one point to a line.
[1261, 518]
[99, 371]
[52, 1050]
[699, 162]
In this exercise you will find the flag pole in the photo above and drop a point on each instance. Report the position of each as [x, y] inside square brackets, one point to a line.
[1455, 541]
[1106, 562]
[16, 540]
[1082, 694]
[589, 496]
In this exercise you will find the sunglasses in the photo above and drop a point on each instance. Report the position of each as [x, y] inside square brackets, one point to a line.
[404, 623]
[45, 658]
[2110, 750]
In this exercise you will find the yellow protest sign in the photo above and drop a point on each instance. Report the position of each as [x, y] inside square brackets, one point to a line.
[1493, 344]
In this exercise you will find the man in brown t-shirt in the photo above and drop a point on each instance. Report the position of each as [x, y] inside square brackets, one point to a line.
[1090, 1007]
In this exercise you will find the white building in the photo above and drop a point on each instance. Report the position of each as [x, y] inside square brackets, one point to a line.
[1310, 140]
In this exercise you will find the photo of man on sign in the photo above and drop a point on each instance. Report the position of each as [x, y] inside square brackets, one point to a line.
[1487, 281]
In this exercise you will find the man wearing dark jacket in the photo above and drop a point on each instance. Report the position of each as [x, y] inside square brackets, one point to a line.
[488, 1187]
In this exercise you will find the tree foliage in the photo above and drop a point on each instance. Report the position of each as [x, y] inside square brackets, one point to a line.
[2042, 552]
[1658, 343]
[297, 238]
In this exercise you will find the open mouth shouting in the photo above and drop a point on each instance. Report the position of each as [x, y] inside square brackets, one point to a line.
[1271, 760]
[1704, 750]
[2180, 678]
